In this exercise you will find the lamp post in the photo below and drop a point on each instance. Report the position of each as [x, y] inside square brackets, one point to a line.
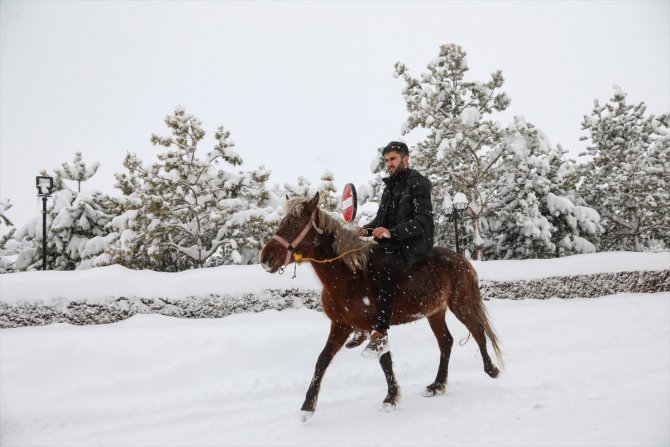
[454, 210]
[45, 186]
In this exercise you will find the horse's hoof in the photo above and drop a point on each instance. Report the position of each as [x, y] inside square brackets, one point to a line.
[388, 407]
[434, 390]
[306, 415]
[493, 373]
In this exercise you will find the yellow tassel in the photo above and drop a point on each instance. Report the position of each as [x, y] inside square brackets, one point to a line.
[297, 257]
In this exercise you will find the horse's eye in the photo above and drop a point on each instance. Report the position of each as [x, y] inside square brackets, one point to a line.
[290, 223]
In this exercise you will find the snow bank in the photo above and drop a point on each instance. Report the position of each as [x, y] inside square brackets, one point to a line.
[118, 281]
[114, 293]
[586, 264]
[114, 280]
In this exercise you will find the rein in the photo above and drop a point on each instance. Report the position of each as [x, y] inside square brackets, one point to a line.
[297, 257]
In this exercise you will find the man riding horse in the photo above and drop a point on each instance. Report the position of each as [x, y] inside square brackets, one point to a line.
[404, 230]
[362, 281]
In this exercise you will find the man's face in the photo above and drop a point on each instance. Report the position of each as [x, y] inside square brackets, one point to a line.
[395, 162]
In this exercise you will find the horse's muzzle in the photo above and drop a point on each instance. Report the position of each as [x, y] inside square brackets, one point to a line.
[266, 258]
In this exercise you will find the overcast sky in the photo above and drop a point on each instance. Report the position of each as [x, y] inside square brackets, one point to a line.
[302, 86]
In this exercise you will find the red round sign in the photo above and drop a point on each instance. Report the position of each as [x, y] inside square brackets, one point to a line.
[349, 202]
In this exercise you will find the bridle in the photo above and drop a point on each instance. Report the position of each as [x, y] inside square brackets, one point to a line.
[291, 246]
[297, 257]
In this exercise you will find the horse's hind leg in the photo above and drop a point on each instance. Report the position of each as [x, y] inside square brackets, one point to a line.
[445, 341]
[338, 335]
[468, 316]
[393, 396]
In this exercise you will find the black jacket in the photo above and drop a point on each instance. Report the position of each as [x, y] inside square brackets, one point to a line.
[406, 211]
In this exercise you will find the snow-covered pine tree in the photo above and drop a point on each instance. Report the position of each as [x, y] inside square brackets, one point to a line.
[253, 222]
[6, 226]
[627, 178]
[77, 170]
[77, 233]
[536, 212]
[369, 194]
[462, 146]
[328, 199]
[302, 189]
[375, 187]
[182, 209]
[7, 231]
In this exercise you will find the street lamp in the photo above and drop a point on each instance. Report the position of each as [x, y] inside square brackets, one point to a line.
[454, 210]
[45, 186]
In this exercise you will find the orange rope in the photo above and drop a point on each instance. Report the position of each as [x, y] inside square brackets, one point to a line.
[297, 257]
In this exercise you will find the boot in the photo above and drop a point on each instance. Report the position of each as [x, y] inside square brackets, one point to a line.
[357, 338]
[378, 346]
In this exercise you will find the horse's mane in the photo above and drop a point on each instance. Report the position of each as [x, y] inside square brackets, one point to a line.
[343, 238]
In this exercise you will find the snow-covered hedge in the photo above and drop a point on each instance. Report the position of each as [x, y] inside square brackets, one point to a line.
[113, 309]
[583, 286]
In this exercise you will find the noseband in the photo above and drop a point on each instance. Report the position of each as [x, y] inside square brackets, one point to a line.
[291, 246]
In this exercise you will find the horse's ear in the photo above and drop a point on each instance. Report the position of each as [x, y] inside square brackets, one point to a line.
[314, 202]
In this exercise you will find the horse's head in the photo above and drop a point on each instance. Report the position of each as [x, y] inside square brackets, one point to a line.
[299, 222]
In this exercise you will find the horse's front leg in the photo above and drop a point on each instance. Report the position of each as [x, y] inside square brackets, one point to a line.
[393, 396]
[338, 335]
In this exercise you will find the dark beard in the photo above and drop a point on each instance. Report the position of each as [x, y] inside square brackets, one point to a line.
[398, 172]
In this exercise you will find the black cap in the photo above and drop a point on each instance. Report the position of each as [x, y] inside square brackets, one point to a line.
[397, 146]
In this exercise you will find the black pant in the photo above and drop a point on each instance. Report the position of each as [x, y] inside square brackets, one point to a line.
[388, 268]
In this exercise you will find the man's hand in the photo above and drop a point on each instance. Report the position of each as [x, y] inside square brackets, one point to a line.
[380, 233]
[359, 231]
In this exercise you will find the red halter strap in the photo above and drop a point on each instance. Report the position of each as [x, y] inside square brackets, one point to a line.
[291, 246]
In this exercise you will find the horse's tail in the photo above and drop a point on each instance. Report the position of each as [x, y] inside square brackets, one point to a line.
[482, 316]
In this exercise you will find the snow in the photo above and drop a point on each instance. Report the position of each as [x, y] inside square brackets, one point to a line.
[470, 116]
[240, 380]
[558, 204]
[585, 264]
[115, 280]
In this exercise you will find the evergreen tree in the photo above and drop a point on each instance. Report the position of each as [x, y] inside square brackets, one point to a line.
[536, 213]
[183, 210]
[375, 187]
[369, 194]
[302, 189]
[253, 223]
[6, 226]
[462, 146]
[7, 231]
[628, 176]
[77, 232]
[77, 170]
[328, 199]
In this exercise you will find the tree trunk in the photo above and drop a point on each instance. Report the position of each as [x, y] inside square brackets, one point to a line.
[636, 235]
[478, 242]
[475, 213]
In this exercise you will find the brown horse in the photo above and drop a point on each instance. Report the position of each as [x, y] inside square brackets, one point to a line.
[349, 297]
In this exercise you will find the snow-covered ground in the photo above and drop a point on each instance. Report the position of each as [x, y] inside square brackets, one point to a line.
[578, 372]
